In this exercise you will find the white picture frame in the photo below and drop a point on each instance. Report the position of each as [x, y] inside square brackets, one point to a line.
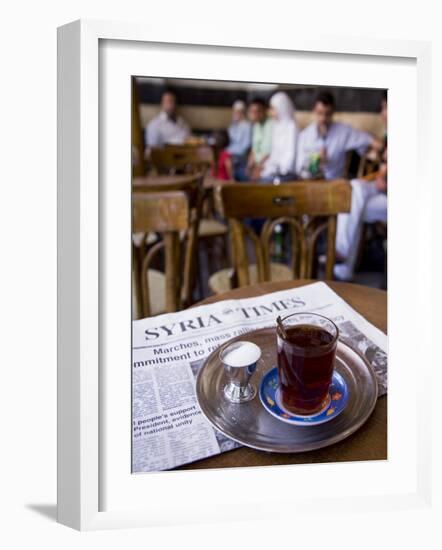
[83, 298]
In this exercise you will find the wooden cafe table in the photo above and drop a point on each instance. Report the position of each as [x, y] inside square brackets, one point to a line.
[369, 442]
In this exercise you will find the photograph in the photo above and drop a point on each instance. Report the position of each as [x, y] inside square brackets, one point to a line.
[234, 327]
[259, 274]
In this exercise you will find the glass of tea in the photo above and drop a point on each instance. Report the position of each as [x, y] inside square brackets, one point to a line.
[306, 351]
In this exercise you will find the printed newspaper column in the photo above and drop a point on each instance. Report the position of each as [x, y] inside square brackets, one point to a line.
[168, 427]
[168, 351]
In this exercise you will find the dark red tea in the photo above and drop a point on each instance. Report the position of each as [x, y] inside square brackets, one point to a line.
[305, 365]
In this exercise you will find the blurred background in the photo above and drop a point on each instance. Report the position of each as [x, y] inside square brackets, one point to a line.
[183, 141]
[206, 104]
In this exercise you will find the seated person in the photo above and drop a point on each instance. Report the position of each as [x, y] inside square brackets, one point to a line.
[261, 137]
[323, 145]
[368, 205]
[224, 167]
[240, 139]
[280, 164]
[167, 126]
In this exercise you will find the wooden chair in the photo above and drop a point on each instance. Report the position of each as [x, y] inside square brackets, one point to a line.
[191, 185]
[364, 167]
[182, 159]
[367, 168]
[166, 182]
[307, 207]
[190, 159]
[211, 233]
[166, 213]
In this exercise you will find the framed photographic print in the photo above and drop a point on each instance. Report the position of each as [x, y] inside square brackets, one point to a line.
[223, 244]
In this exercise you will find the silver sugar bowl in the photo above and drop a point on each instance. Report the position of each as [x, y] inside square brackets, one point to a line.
[239, 360]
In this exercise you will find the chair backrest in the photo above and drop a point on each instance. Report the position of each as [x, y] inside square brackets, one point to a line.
[192, 186]
[307, 207]
[166, 182]
[367, 167]
[167, 214]
[179, 159]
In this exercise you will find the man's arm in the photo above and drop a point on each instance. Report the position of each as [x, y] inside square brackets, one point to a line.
[381, 180]
[258, 168]
[251, 159]
[376, 144]
[358, 140]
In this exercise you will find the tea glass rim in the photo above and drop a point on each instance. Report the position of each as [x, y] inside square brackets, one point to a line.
[329, 346]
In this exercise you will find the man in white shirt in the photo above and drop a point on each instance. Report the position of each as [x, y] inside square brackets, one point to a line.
[323, 145]
[167, 126]
[368, 205]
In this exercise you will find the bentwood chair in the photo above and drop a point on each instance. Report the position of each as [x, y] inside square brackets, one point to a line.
[367, 167]
[308, 208]
[182, 159]
[167, 214]
[191, 185]
[190, 159]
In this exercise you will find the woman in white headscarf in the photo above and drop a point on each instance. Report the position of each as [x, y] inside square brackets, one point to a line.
[280, 164]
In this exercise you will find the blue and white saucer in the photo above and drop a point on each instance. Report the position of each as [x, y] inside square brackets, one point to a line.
[269, 393]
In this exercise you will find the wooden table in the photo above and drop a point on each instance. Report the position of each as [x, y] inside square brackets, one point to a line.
[369, 442]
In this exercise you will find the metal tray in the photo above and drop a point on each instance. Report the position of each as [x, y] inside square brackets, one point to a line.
[251, 425]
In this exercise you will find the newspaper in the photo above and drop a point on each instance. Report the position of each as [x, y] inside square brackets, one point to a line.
[169, 428]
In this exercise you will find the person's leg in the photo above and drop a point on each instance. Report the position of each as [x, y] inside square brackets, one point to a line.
[239, 168]
[376, 209]
[349, 227]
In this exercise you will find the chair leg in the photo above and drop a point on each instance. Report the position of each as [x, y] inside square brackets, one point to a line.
[137, 259]
[203, 268]
[331, 247]
[361, 246]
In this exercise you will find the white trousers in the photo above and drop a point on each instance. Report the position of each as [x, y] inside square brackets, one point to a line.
[367, 205]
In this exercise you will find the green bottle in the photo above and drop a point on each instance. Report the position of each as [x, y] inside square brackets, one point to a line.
[314, 166]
